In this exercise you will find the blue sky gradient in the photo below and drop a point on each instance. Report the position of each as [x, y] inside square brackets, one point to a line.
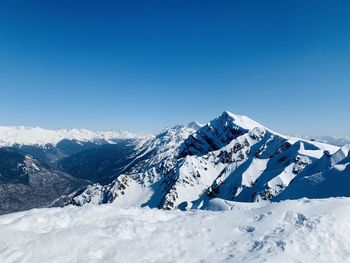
[144, 65]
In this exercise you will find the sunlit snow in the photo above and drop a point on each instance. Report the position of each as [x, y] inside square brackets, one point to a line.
[290, 231]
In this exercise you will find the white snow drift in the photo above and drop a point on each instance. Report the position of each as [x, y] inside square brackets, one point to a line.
[290, 231]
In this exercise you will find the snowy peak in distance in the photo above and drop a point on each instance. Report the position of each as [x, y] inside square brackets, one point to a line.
[218, 133]
[338, 141]
[22, 135]
[194, 125]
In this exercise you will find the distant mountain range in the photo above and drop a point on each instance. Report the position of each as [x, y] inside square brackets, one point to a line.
[339, 141]
[232, 158]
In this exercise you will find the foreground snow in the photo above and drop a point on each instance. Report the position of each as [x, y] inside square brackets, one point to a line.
[290, 231]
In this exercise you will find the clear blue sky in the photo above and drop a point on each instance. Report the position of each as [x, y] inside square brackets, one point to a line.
[143, 65]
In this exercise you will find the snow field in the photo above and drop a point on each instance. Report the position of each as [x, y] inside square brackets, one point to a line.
[290, 231]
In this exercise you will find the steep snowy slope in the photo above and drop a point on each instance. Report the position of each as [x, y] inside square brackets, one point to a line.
[231, 157]
[289, 231]
[141, 182]
[328, 177]
[217, 134]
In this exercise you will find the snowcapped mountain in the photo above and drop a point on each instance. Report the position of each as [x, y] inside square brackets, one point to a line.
[232, 164]
[21, 135]
[66, 161]
[195, 125]
[151, 164]
[232, 158]
[339, 141]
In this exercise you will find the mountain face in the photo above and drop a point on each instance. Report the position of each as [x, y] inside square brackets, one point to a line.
[232, 158]
[100, 164]
[38, 166]
[327, 177]
[27, 183]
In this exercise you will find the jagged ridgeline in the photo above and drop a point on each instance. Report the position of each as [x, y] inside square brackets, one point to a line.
[230, 158]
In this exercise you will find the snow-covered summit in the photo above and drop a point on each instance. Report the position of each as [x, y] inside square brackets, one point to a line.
[218, 133]
[232, 163]
[240, 120]
[11, 135]
[231, 157]
[195, 125]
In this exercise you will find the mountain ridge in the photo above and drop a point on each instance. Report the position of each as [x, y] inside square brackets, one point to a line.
[24, 135]
[232, 158]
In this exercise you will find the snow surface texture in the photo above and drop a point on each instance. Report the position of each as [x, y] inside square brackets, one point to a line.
[289, 231]
[11, 135]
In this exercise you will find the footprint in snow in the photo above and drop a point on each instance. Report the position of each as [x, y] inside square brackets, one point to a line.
[258, 217]
[261, 216]
[247, 229]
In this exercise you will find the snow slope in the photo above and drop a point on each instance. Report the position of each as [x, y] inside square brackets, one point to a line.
[11, 135]
[232, 157]
[289, 231]
[327, 177]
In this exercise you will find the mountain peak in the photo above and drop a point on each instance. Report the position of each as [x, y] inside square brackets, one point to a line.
[242, 121]
[218, 133]
[195, 125]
